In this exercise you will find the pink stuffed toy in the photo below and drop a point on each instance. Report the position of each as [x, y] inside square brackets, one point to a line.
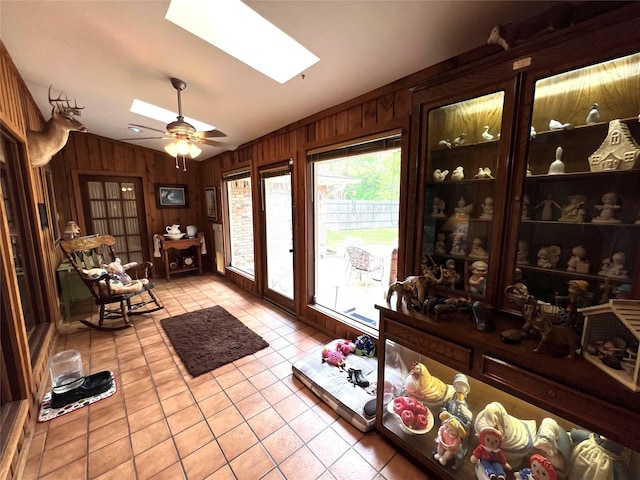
[345, 347]
[333, 357]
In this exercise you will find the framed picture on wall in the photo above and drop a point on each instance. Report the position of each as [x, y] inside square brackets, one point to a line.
[171, 195]
[212, 204]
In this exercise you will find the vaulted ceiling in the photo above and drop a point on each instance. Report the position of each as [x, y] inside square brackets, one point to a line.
[107, 53]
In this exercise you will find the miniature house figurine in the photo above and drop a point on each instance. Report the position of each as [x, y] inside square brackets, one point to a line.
[619, 150]
[615, 323]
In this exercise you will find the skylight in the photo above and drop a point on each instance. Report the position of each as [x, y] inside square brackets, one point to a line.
[164, 115]
[239, 31]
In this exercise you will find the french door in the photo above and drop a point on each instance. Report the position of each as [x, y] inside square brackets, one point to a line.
[115, 206]
[277, 221]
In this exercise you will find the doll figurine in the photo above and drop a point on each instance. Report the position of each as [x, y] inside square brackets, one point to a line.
[477, 249]
[607, 209]
[549, 256]
[541, 469]
[488, 456]
[573, 211]
[594, 458]
[487, 209]
[547, 208]
[449, 439]
[523, 253]
[449, 275]
[478, 278]
[440, 245]
[577, 263]
[517, 434]
[438, 208]
[614, 267]
[463, 208]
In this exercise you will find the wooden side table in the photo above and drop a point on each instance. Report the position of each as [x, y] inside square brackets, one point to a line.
[177, 250]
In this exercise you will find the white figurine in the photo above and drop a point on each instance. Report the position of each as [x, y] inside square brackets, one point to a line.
[607, 209]
[547, 210]
[438, 208]
[458, 174]
[459, 140]
[556, 125]
[487, 209]
[614, 267]
[577, 263]
[523, 253]
[444, 143]
[533, 133]
[557, 166]
[477, 249]
[548, 257]
[457, 248]
[478, 278]
[483, 173]
[463, 208]
[440, 175]
[486, 135]
[594, 115]
[573, 211]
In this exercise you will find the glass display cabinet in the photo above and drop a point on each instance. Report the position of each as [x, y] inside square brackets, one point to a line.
[459, 196]
[579, 235]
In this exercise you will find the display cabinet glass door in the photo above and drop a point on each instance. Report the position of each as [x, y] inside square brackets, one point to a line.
[459, 195]
[579, 236]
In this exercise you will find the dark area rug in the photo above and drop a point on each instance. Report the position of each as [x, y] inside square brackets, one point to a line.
[210, 338]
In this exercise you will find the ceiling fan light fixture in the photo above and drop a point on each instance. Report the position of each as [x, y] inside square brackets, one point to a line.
[182, 146]
[171, 149]
[194, 150]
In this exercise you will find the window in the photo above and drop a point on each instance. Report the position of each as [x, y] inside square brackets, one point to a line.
[356, 212]
[238, 189]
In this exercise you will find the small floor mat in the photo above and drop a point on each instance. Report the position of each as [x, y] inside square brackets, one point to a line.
[48, 413]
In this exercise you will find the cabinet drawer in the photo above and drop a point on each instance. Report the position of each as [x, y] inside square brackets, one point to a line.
[444, 351]
[603, 417]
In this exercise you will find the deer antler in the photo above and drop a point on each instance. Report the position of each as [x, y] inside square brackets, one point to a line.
[64, 104]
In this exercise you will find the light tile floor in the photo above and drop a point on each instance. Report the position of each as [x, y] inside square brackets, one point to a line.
[247, 420]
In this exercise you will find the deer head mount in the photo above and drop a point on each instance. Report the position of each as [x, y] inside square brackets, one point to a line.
[42, 146]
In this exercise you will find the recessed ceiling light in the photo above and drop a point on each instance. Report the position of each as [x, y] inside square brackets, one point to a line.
[164, 115]
[135, 129]
[238, 30]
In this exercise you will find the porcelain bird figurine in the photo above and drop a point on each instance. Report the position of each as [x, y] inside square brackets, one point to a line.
[440, 175]
[594, 115]
[458, 174]
[486, 135]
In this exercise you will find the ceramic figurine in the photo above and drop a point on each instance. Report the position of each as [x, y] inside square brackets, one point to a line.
[547, 210]
[594, 115]
[532, 133]
[523, 253]
[488, 457]
[478, 278]
[445, 143]
[517, 434]
[439, 246]
[573, 211]
[449, 275]
[486, 135]
[458, 174]
[440, 175]
[463, 208]
[595, 457]
[438, 208]
[423, 386]
[557, 166]
[459, 140]
[477, 249]
[540, 469]
[607, 209]
[549, 256]
[577, 263]
[457, 247]
[554, 442]
[614, 267]
[556, 125]
[483, 172]
[487, 209]
[449, 439]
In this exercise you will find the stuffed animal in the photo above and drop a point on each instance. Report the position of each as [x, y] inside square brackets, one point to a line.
[333, 357]
[345, 347]
[364, 346]
[118, 270]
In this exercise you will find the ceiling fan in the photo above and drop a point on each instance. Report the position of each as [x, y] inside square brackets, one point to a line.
[184, 135]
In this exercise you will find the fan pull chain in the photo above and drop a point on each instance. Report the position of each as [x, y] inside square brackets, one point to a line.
[177, 166]
[184, 164]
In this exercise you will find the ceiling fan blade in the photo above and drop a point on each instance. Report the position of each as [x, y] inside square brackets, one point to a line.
[215, 133]
[147, 128]
[146, 138]
[213, 143]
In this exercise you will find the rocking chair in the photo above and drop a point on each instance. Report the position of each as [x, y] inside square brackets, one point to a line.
[112, 293]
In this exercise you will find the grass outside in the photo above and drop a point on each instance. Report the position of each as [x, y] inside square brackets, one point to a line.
[371, 236]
